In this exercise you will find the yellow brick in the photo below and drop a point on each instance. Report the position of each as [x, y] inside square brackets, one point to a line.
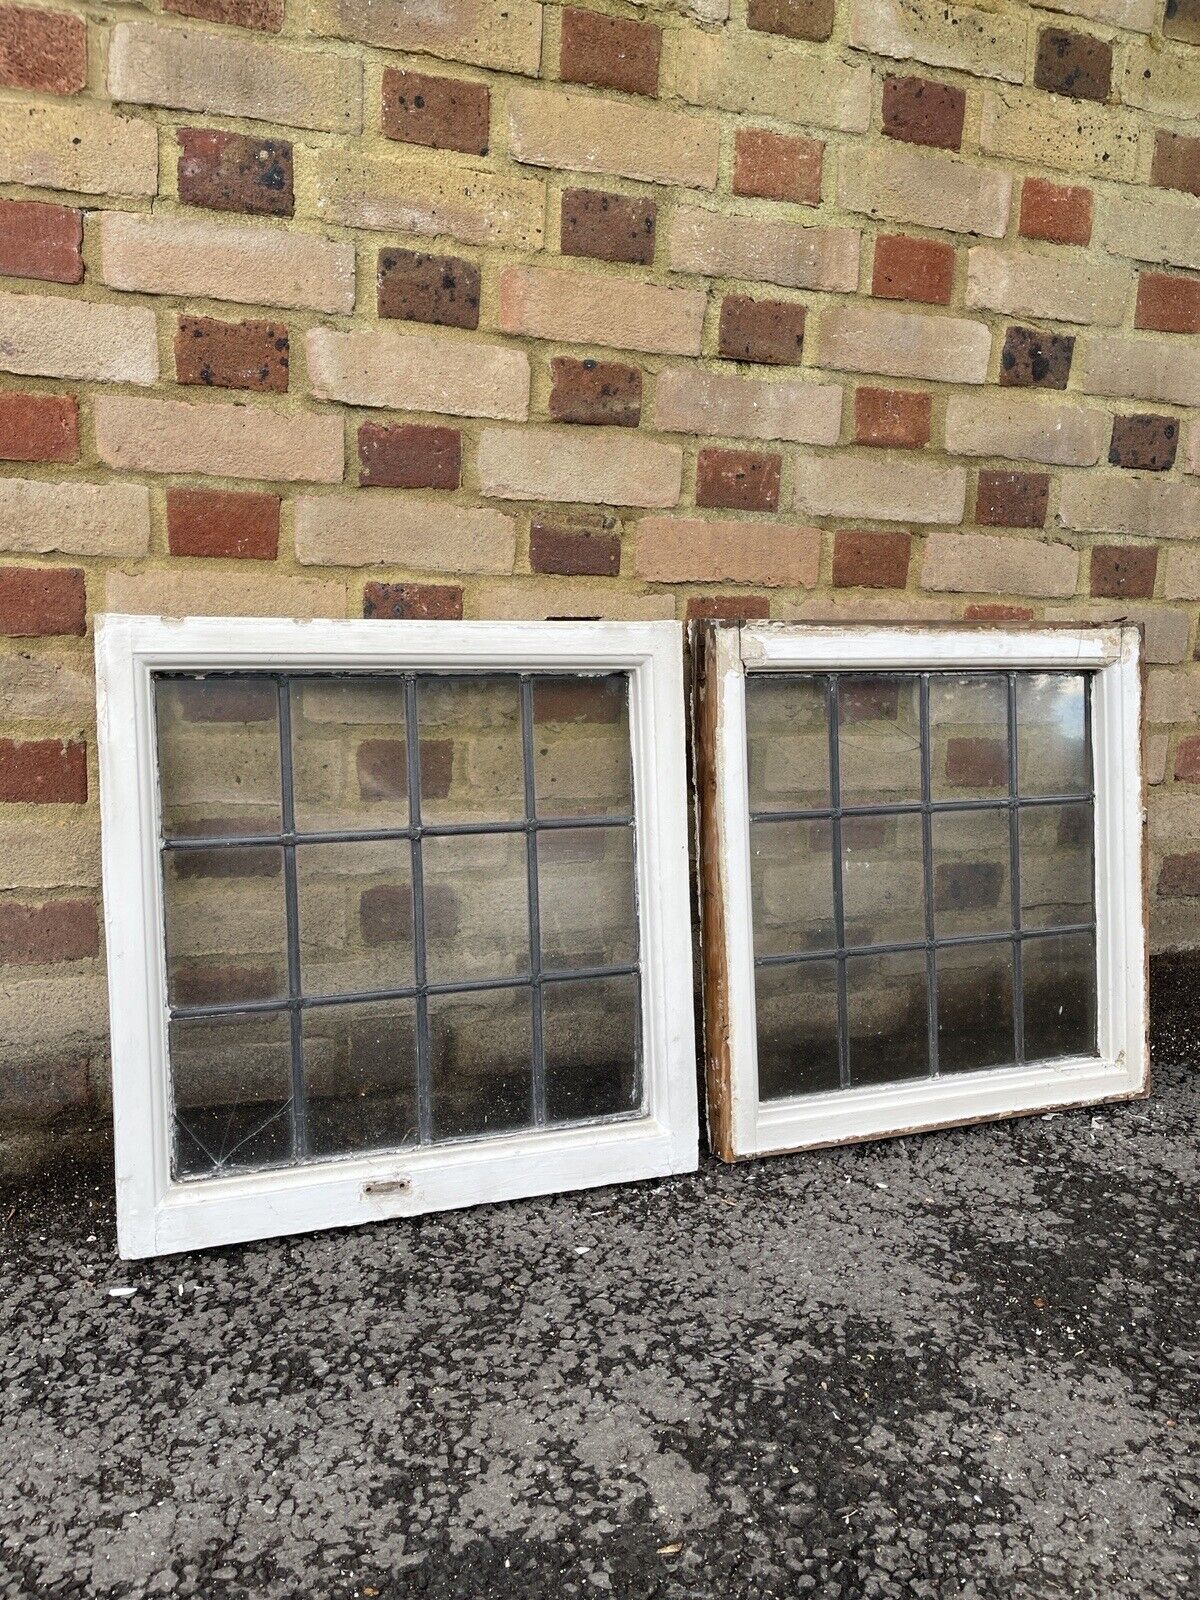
[724, 550]
[51, 688]
[865, 337]
[56, 337]
[984, 563]
[537, 598]
[593, 466]
[880, 489]
[688, 400]
[504, 34]
[768, 249]
[418, 372]
[597, 308]
[1164, 82]
[172, 593]
[1150, 227]
[767, 76]
[1071, 135]
[85, 519]
[393, 530]
[1060, 286]
[77, 147]
[900, 184]
[587, 133]
[969, 38]
[50, 852]
[223, 438]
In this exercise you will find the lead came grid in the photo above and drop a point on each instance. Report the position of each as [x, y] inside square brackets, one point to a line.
[896, 933]
[573, 849]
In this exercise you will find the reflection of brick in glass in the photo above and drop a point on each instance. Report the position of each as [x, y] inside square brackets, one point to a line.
[383, 768]
[201, 985]
[977, 763]
[226, 700]
[967, 885]
[581, 700]
[869, 700]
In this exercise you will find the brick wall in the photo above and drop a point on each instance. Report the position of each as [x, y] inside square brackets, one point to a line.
[799, 308]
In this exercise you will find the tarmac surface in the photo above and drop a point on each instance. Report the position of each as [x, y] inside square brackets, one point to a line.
[956, 1365]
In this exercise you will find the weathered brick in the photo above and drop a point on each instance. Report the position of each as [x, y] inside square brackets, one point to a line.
[989, 563]
[77, 147]
[777, 166]
[1025, 428]
[1164, 82]
[39, 427]
[50, 851]
[1071, 136]
[899, 184]
[383, 530]
[195, 69]
[738, 480]
[233, 172]
[57, 930]
[505, 35]
[881, 489]
[222, 522]
[232, 355]
[1062, 288]
[1176, 162]
[864, 560]
[418, 372]
[921, 111]
[36, 686]
[1149, 227]
[1060, 213]
[204, 592]
[1144, 441]
[1110, 502]
[586, 308]
[608, 227]
[1124, 571]
[610, 468]
[1182, 21]
[574, 547]
[902, 344]
[687, 400]
[795, 19]
[1167, 304]
[415, 287]
[413, 602]
[913, 269]
[1012, 499]
[993, 611]
[38, 601]
[237, 261]
[893, 417]
[444, 113]
[43, 772]
[1187, 760]
[531, 599]
[55, 337]
[581, 133]
[79, 519]
[593, 392]
[986, 43]
[264, 15]
[770, 332]
[1136, 15]
[1141, 368]
[696, 550]
[407, 455]
[609, 52]
[768, 77]
[1074, 64]
[1032, 359]
[727, 608]
[238, 441]
[40, 241]
[42, 50]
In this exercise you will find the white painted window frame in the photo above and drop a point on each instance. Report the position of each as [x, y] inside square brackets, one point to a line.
[156, 1214]
[741, 1125]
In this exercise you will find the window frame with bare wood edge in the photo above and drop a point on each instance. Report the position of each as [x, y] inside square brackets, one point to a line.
[740, 1124]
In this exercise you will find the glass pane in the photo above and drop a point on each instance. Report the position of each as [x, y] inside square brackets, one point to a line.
[972, 883]
[975, 1006]
[231, 1081]
[581, 753]
[482, 1062]
[797, 1029]
[360, 1077]
[349, 753]
[787, 742]
[791, 887]
[883, 879]
[586, 897]
[218, 755]
[1056, 866]
[888, 1017]
[968, 730]
[1059, 980]
[472, 766]
[590, 1033]
[879, 739]
[355, 916]
[226, 925]
[1053, 757]
[476, 906]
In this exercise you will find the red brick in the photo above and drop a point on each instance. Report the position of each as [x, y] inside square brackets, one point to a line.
[1168, 305]
[40, 241]
[1176, 162]
[382, 767]
[1187, 760]
[57, 930]
[599, 700]
[1032, 359]
[767, 331]
[1073, 64]
[44, 50]
[409, 455]
[440, 602]
[1012, 499]
[232, 355]
[234, 172]
[199, 984]
[1058, 212]
[443, 113]
[385, 913]
[797, 19]
[264, 15]
[415, 287]
[977, 763]
[895, 417]
[864, 560]
[1180, 876]
[921, 111]
[913, 269]
[599, 392]
[738, 480]
[39, 427]
[608, 227]
[996, 611]
[37, 601]
[573, 550]
[1144, 442]
[778, 166]
[43, 771]
[728, 608]
[221, 522]
[1124, 571]
[609, 52]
